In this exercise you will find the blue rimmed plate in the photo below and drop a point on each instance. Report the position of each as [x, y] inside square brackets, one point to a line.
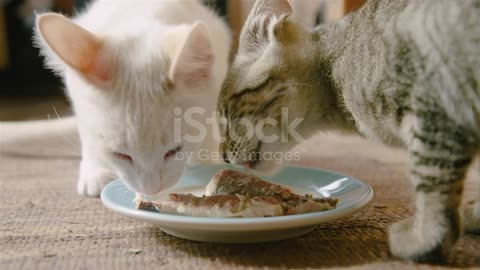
[353, 195]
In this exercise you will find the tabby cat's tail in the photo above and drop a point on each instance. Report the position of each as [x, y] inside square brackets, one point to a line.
[53, 138]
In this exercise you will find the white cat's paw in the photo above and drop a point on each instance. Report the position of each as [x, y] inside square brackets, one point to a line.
[91, 183]
[412, 243]
[471, 218]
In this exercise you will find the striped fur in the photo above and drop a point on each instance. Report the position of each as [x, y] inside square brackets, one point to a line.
[402, 72]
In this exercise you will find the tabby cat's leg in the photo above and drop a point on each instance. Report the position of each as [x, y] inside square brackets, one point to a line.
[471, 215]
[440, 156]
[471, 218]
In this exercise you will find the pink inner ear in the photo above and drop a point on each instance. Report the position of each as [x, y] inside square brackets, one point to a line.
[205, 60]
[101, 68]
[192, 66]
[76, 46]
[196, 71]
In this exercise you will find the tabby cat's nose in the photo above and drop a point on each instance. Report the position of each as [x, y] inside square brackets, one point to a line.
[225, 157]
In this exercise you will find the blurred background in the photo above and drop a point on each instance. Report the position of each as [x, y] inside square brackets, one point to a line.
[28, 91]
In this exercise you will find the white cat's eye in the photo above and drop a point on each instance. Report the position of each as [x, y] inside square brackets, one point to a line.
[122, 156]
[172, 152]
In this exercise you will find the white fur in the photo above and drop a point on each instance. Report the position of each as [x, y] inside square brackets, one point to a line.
[132, 111]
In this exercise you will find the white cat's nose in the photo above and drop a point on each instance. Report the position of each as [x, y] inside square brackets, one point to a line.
[150, 188]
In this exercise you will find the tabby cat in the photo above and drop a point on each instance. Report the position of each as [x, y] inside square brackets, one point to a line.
[403, 72]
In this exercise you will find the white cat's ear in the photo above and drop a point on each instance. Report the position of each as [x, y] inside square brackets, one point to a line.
[75, 46]
[264, 13]
[192, 65]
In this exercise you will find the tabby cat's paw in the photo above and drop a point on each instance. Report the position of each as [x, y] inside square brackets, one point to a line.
[471, 218]
[411, 242]
[92, 180]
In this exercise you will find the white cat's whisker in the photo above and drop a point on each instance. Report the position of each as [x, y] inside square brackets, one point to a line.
[69, 140]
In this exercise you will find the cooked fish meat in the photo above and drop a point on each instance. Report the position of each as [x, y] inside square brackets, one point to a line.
[307, 205]
[214, 206]
[234, 182]
[234, 194]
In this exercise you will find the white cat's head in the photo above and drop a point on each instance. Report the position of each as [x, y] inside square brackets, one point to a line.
[126, 92]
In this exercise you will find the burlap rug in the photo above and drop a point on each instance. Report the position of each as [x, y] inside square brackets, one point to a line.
[44, 224]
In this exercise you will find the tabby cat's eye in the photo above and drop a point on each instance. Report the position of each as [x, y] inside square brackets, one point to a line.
[256, 88]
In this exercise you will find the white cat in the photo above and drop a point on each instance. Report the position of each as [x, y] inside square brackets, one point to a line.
[127, 65]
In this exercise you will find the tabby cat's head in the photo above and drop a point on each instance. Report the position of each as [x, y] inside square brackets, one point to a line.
[267, 88]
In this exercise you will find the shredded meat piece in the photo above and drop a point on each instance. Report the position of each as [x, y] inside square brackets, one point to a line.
[214, 206]
[234, 182]
[234, 194]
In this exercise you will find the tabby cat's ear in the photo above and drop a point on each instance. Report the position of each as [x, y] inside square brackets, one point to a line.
[264, 13]
[192, 65]
[61, 39]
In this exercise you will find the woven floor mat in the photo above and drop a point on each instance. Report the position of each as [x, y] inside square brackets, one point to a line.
[44, 224]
